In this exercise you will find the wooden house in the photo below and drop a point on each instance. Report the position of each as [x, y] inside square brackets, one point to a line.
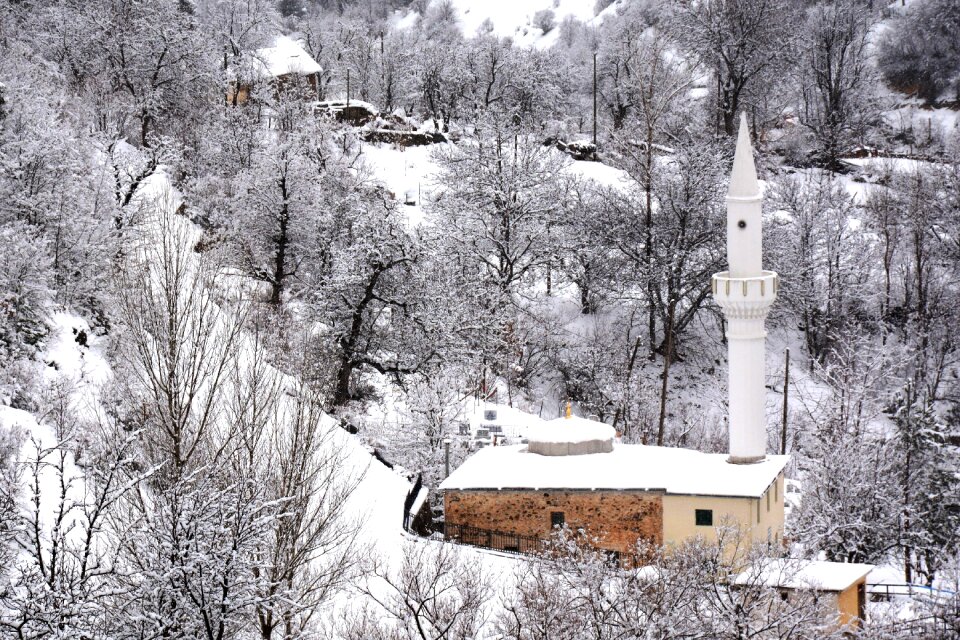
[284, 67]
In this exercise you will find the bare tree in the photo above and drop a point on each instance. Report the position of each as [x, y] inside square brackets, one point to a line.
[836, 78]
[745, 42]
[436, 594]
[721, 589]
[63, 576]
[188, 535]
[292, 457]
[651, 97]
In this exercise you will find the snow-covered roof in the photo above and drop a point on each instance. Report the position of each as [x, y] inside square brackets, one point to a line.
[628, 466]
[573, 429]
[341, 104]
[284, 57]
[794, 573]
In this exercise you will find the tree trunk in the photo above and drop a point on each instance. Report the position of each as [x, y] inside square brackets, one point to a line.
[667, 357]
[280, 257]
[648, 248]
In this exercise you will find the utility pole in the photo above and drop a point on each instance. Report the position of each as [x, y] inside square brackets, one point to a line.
[446, 458]
[348, 87]
[594, 100]
[786, 395]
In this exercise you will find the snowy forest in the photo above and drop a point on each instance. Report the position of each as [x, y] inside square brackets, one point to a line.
[247, 314]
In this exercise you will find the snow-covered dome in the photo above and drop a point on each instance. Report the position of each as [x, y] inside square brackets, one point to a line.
[570, 437]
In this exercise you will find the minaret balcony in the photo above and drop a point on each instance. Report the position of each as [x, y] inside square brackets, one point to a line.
[745, 297]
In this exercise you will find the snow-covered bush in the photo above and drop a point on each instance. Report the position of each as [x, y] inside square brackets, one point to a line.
[600, 5]
[920, 53]
[545, 20]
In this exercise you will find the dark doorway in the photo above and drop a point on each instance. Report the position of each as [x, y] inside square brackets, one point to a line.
[862, 601]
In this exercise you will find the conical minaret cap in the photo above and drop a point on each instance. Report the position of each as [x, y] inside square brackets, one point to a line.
[743, 178]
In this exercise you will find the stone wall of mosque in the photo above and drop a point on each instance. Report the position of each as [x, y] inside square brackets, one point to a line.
[617, 518]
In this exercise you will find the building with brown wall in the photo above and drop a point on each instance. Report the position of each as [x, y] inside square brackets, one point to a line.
[572, 472]
[618, 518]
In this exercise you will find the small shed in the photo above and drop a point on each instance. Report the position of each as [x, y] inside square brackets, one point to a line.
[844, 582]
[353, 112]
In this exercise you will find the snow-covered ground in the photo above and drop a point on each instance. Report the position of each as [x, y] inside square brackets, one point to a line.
[515, 18]
[405, 172]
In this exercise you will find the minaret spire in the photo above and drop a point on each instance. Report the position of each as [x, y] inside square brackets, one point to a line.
[744, 237]
[745, 292]
[743, 178]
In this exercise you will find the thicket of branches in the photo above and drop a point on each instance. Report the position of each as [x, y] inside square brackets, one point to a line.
[207, 499]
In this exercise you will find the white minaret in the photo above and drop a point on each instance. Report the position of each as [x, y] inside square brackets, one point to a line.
[745, 292]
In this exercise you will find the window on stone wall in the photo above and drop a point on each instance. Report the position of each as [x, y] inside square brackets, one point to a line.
[556, 519]
[704, 517]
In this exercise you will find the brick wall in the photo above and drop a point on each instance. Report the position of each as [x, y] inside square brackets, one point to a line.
[618, 518]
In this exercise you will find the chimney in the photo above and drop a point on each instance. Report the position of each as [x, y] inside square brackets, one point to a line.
[745, 292]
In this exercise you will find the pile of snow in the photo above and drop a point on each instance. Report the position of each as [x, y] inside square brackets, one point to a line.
[570, 437]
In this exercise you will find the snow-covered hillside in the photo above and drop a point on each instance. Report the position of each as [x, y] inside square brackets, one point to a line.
[516, 19]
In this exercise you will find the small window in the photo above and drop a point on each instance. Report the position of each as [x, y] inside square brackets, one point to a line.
[556, 519]
[464, 429]
[490, 414]
[704, 517]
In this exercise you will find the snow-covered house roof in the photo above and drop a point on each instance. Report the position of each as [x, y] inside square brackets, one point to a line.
[795, 573]
[286, 56]
[626, 467]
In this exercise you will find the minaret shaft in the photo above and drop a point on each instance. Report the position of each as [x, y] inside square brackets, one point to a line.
[745, 292]
[744, 252]
[747, 413]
